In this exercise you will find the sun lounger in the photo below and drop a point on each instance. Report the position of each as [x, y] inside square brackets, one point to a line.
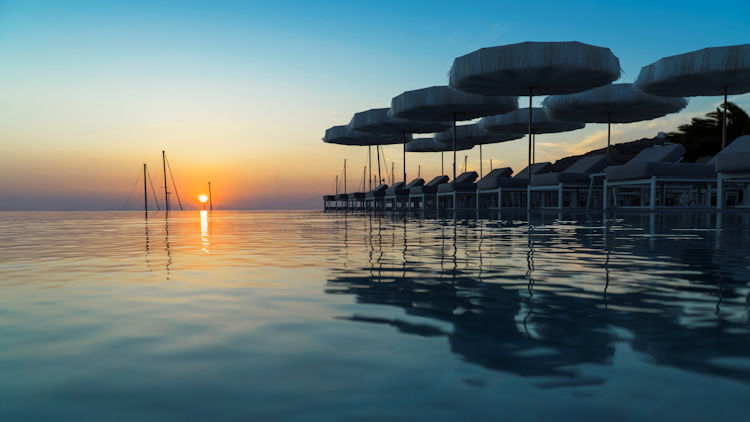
[568, 188]
[656, 178]
[733, 174]
[503, 191]
[425, 196]
[397, 196]
[459, 193]
[375, 199]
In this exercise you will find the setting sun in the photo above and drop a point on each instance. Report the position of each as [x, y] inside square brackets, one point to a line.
[203, 198]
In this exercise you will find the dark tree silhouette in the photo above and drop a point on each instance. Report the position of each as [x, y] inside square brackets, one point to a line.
[702, 136]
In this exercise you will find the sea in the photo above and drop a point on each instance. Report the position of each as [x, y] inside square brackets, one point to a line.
[313, 316]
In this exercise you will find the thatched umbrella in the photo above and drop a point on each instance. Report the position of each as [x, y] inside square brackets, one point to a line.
[707, 72]
[616, 103]
[534, 68]
[441, 103]
[378, 121]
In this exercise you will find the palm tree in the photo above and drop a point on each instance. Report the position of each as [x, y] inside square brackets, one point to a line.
[702, 136]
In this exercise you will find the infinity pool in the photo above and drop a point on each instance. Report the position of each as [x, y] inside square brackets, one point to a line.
[313, 316]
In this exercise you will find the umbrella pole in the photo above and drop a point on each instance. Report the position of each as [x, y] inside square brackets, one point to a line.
[403, 135]
[369, 167]
[530, 140]
[533, 148]
[609, 131]
[454, 147]
[380, 180]
[480, 161]
[528, 195]
[724, 122]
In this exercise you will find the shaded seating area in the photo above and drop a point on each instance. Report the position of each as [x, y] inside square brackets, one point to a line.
[375, 199]
[733, 174]
[458, 194]
[655, 178]
[397, 197]
[425, 196]
[568, 188]
[502, 191]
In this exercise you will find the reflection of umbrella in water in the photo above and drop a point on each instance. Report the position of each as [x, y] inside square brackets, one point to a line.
[518, 122]
[474, 135]
[534, 68]
[377, 121]
[706, 72]
[342, 135]
[616, 103]
[441, 103]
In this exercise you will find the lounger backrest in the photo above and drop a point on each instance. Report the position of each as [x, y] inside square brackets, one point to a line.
[671, 153]
[501, 172]
[536, 168]
[379, 188]
[437, 181]
[590, 164]
[414, 183]
[468, 177]
[739, 145]
[706, 159]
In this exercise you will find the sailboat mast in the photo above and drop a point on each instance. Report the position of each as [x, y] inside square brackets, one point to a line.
[145, 190]
[210, 201]
[344, 176]
[164, 168]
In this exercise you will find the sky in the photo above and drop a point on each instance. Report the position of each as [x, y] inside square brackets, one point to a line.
[240, 93]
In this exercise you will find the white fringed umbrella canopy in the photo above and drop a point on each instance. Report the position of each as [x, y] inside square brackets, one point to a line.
[431, 145]
[616, 103]
[706, 72]
[547, 67]
[343, 135]
[441, 103]
[474, 135]
[518, 122]
[534, 68]
[377, 120]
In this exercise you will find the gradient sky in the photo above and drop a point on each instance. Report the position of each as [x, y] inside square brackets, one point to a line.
[240, 93]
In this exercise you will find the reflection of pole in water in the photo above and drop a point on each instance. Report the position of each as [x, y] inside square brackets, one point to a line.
[455, 255]
[442, 250]
[403, 254]
[371, 252]
[530, 258]
[380, 248]
[346, 240]
[481, 239]
[166, 242]
[606, 262]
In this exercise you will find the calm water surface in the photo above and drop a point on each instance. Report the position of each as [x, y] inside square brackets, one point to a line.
[313, 316]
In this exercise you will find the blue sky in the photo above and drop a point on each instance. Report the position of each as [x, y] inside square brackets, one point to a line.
[230, 86]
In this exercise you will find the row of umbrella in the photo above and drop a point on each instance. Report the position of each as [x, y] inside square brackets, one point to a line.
[577, 79]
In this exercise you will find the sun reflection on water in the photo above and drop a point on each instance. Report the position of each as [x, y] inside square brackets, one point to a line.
[205, 243]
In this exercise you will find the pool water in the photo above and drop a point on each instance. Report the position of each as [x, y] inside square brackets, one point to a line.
[332, 316]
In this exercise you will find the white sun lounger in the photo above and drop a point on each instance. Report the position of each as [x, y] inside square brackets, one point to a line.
[733, 174]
